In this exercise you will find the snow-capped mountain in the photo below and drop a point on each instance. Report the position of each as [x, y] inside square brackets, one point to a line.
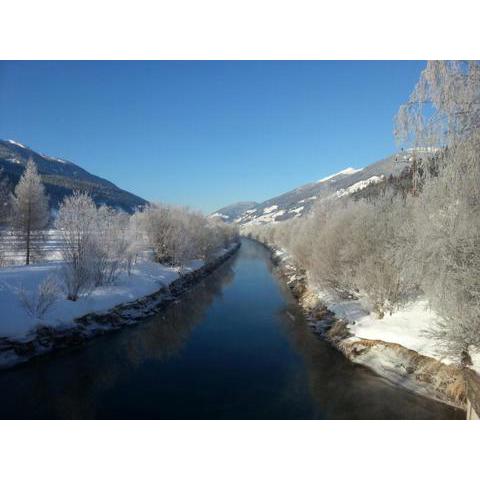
[61, 177]
[299, 201]
[233, 211]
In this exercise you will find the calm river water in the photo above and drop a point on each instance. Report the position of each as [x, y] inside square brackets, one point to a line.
[234, 347]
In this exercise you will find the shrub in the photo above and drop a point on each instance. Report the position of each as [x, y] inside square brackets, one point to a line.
[38, 303]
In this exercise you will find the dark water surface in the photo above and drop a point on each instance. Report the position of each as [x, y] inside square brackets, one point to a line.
[235, 347]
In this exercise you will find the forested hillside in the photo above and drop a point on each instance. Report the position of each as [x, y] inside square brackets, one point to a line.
[61, 177]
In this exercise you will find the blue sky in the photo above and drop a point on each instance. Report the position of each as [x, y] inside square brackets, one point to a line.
[206, 134]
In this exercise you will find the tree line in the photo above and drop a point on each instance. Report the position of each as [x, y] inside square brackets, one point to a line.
[100, 242]
[393, 248]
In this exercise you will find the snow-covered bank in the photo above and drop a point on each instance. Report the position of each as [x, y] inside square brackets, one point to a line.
[146, 277]
[408, 326]
[396, 347]
[144, 291]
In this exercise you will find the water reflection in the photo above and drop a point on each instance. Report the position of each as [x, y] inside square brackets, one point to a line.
[346, 391]
[235, 346]
[69, 384]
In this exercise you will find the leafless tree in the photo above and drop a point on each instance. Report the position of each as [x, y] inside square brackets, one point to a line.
[352, 247]
[444, 106]
[110, 245]
[38, 303]
[448, 236]
[5, 199]
[135, 239]
[76, 222]
[5, 213]
[178, 235]
[394, 248]
[444, 111]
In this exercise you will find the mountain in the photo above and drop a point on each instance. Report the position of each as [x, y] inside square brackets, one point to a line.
[61, 177]
[233, 211]
[353, 182]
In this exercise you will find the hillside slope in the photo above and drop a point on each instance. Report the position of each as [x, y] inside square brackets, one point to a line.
[234, 211]
[298, 202]
[61, 177]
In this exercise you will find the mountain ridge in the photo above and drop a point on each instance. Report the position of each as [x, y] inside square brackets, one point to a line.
[349, 181]
[61, 177]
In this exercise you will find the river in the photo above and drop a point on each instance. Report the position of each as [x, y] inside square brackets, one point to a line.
[236, 346]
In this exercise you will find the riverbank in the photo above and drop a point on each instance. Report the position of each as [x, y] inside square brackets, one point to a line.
[342, 322]
[148, 289]
[235, 346]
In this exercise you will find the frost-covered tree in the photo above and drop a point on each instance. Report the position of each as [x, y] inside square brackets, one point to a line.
[217, 234]
[30, 210]
[5, 200]
[156, 222]
[5, 212]
[379, 249]
[392, 247]
[186, 238]
[110, 244]
[444, 110]
[444, 106]
[135, 239]
[76, 222]
[352, 247]
[39, 302]
[178, 235]
[448, 246]
[98, 243]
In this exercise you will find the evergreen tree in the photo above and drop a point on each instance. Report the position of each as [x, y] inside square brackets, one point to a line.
[30, 209]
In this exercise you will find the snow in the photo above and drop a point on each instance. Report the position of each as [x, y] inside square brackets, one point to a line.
[50, 249]
[423, 149]
[297, 210]
[406, 327]
[221, 215]
[267, 217]
[270, 209]
[13, 142]
[55, 159]
[146, 278]
[346, 171]
[48, 157]
[309, 199]
[359, 185]
[278, 214]
[13, 160]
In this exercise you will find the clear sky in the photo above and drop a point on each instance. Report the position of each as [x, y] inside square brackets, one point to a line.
[206, 134]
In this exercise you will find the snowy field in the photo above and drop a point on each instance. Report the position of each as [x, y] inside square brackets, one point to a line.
[50, 246]
[146, 277]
